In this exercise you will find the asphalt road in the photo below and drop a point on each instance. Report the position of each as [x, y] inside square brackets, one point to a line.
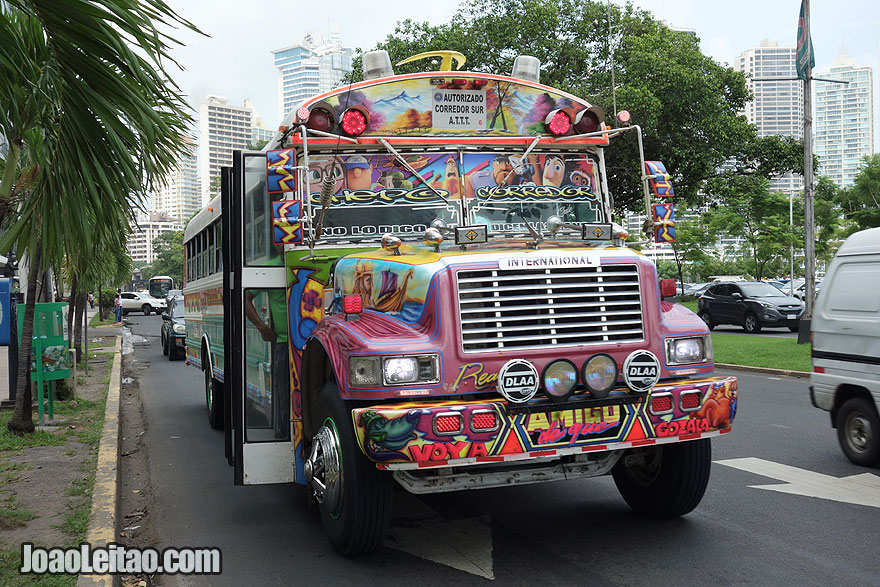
[564, 533]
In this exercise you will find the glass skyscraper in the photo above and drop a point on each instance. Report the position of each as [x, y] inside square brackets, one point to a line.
[844, 119]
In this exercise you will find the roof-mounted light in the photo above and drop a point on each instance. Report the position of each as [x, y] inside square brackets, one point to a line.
[376, 64]
[355, 121]
[320, 119]
[558, 122]
[527, 67]
[589, 120]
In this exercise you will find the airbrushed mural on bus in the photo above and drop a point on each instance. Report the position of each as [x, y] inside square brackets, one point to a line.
[419, 281]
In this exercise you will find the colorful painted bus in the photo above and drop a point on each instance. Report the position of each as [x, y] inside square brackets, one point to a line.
[419, 281]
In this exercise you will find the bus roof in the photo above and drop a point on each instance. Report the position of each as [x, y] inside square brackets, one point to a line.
[203, 218]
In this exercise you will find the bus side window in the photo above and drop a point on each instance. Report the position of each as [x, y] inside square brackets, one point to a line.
[218, 252]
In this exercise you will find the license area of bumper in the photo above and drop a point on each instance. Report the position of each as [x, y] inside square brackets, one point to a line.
[411, 435]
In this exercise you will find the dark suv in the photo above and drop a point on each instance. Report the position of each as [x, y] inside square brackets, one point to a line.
[751, 304]
[173, 333]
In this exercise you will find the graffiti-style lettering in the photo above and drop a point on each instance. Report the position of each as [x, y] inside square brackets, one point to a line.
[384, 196]
[689, 426]
[556, 433]
[474, 371]
[535, 192]
[441, 451]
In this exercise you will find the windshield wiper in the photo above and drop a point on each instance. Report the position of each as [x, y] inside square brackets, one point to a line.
[409, 168]
[524, 156]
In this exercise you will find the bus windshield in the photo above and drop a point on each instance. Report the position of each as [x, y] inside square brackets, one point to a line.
[376, 194]
[159, 286]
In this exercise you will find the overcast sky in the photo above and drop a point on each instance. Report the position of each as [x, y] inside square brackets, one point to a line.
[236, 60]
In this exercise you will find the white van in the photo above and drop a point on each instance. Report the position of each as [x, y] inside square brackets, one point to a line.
[846, 347]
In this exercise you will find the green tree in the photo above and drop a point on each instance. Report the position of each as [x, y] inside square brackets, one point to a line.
[692, 239]
[687, 104]
[169, 255]
[861, 201]
[748, 209]
[93, 123]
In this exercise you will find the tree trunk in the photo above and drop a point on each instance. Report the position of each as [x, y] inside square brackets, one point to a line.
[80, 309]
[22, 417]
[71, 305]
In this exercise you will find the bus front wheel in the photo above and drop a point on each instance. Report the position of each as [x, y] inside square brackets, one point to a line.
[666, 480]
[354, 498]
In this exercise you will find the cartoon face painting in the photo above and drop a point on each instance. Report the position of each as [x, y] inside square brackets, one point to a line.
[358, 173]
[501, 170]
[554, 171]
[319, 168]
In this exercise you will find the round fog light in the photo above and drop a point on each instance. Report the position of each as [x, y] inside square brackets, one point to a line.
[559, 378]
[600, 375]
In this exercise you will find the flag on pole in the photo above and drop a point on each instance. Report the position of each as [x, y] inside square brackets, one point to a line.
[805, 57]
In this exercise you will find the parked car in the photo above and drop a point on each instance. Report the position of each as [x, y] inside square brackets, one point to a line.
[751, 304]
[801, 292]
[173, 332]
[172, 293]
[845, 334]
[696, 289]
[135, 301]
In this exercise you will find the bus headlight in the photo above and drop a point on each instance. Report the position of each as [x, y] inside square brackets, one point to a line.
[393, 370]
[363, 371]
[179, 329]
[695, 349]
[401, 370]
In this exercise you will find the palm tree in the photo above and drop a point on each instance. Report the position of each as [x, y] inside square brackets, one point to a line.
[92, 121]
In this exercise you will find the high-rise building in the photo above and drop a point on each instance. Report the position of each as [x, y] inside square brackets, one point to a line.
[844, 120]
[222, 129]
[259, 132]
[778, 106]
[149, 226]
[310, 66]
[180, 195]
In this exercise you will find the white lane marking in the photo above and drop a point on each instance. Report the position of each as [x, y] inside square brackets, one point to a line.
[464, 544]
[862, 489]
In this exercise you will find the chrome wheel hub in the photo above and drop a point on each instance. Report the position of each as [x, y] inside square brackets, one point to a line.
[323, 468]
[860, 433]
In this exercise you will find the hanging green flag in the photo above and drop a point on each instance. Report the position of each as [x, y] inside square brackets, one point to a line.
[805, 57]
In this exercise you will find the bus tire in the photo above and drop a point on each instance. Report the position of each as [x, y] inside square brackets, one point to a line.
[214, 400]
[354, 498]
[669, 482]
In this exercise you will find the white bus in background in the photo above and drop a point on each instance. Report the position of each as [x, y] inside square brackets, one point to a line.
[159, 286]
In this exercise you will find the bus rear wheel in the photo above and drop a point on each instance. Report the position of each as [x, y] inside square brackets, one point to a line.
[665, 481]
[214, 400]
[354, 498]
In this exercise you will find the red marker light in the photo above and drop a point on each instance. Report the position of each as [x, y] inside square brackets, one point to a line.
[302, 114]
[352, 304]
[667, 288]
[558, 122]
[320, 120]
[354, 122]
[623, 116]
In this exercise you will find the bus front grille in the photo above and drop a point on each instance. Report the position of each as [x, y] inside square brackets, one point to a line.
[535, 308]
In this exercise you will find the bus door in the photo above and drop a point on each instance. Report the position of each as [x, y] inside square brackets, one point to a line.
[257, 386]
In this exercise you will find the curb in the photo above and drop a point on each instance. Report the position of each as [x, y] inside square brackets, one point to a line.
[102, 521]
[765, 370]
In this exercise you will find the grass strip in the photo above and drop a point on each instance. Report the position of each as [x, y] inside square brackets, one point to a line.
[761, 351]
